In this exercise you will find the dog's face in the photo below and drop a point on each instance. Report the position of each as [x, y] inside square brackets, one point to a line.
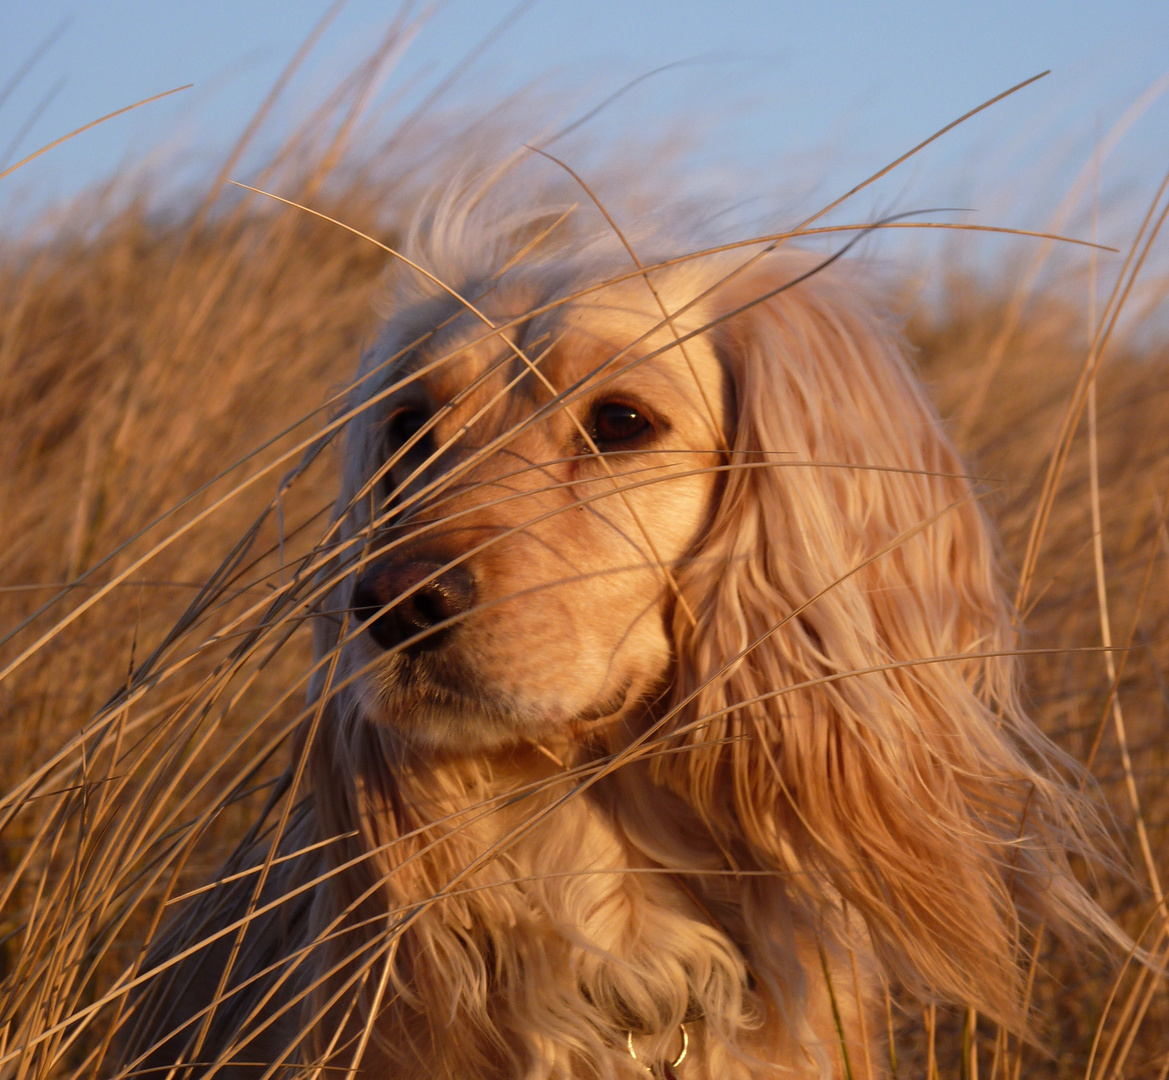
[531, 496]
[564, 504]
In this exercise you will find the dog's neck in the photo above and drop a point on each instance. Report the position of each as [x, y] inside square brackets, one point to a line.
[529, 913]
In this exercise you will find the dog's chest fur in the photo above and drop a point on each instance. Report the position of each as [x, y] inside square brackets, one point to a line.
[541, 933]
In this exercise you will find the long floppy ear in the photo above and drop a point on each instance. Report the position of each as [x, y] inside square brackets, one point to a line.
[846, 698]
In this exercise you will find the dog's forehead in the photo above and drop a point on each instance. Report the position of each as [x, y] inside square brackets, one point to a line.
[535, 346]
[466, 353]
[631, 335]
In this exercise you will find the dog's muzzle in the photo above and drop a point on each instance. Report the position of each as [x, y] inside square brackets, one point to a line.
[412, 599]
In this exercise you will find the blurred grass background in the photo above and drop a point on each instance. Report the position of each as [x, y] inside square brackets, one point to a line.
[161, 371]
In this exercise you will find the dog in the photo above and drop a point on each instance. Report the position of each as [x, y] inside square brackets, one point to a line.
[665, 709]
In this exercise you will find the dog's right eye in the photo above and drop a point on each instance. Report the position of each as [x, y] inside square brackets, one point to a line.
[404, 425]
[616, 424]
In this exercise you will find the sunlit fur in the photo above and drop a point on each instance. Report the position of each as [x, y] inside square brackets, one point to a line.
[732, 736]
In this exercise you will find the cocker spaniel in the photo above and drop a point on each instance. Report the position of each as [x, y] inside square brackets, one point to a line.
[665, 706]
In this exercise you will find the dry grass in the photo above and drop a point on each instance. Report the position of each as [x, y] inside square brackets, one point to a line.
[1011, 440]
[158, 379]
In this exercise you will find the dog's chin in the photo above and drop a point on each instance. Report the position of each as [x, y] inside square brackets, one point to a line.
[435, 708]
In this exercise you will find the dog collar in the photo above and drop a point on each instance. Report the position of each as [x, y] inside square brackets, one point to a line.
[662, 1070]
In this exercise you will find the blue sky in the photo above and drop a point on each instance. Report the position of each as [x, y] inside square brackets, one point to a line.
[779, 92]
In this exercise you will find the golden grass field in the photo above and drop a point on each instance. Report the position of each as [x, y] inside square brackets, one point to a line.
[161, 376]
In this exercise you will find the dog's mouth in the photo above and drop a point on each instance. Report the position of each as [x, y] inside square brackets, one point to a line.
[434, 679]
[431, 699]
[614, 708]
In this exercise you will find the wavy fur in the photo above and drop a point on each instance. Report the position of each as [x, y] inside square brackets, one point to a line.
[729, 737]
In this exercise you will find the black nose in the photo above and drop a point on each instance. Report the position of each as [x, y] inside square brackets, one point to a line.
[436, 593]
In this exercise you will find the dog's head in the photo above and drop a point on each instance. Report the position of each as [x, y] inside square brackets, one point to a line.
[527, 487]
[708, 505]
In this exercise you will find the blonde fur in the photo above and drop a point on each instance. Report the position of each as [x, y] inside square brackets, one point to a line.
[729, 737]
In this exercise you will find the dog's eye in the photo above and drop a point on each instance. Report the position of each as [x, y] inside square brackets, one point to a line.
[405, 424]
[615, 422]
